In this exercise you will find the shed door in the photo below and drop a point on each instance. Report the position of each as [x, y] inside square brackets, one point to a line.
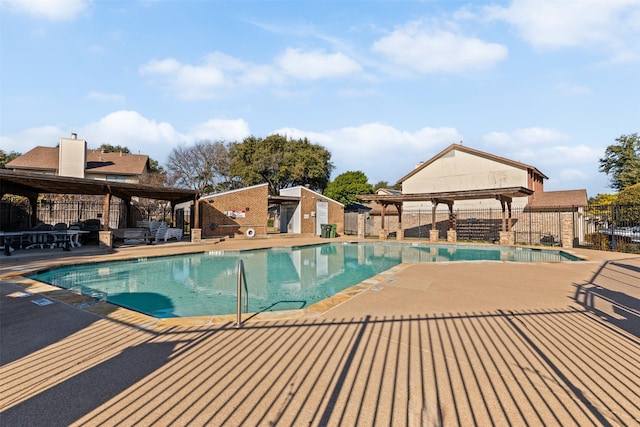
[322, 214]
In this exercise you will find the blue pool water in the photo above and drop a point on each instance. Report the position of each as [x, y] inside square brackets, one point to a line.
[277, 278]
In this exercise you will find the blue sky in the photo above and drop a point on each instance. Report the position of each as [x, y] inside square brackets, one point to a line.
[382, 85]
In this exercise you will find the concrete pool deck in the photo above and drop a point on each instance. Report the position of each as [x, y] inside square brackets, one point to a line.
[473, 343]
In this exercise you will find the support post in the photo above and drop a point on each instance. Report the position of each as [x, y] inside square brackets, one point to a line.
[105, 212]
[383, 231]
[400, 232]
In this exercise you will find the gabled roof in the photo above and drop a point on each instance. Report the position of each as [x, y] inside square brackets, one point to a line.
[237, 190]
[474, 152]
[46, 159]
[557, 199]
[388, 191]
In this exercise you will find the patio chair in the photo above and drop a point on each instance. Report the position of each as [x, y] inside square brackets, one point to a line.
[59, 239]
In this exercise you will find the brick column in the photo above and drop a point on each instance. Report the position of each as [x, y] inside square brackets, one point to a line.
[105, 239]
[507, 238]
[361, 226]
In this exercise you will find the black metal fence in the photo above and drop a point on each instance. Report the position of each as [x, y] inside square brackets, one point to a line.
[15, 212]
[603, 227]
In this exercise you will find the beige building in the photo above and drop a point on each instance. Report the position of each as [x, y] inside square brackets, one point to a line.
[72, 159]
[463, 193]
[460, 168]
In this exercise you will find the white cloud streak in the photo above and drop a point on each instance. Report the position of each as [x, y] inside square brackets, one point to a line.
[428, 49]
[316, 64]
[381, 151]
[610, 26]
[54, 10]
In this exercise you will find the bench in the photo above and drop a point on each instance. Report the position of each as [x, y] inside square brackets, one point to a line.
[133, 235]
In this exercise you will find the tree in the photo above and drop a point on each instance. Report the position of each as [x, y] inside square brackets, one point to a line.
[108, 148]
[622, 162]
[203, 167]
[603, 199]
[280, 162]
[385, 184]
[7, 157]
[347, 186]
[626, 211]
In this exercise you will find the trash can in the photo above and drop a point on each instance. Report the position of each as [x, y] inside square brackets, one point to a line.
[325, 230]
[332, 232]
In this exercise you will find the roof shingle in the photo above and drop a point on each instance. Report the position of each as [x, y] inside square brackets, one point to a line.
[46, 159]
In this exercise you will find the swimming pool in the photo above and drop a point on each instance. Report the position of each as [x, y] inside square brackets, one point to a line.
[277, 278]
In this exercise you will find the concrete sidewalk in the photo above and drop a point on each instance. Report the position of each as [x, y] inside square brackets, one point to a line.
[482, 343]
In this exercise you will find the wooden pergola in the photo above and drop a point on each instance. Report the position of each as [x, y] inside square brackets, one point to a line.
[504, 195]
[31, 185]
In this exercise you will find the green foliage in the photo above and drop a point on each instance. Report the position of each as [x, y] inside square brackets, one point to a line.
[629, 196]
[626, 210]
[108, 148]
[622, 162]
[7, 157]
[599, 241]
[154, 167]
[385, 184]
[347, 186]
[280, 162]
[603, 199]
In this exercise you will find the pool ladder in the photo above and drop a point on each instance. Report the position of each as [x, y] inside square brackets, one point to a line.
[242, 278]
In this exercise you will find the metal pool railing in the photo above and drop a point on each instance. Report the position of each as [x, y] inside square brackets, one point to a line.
[242, 278]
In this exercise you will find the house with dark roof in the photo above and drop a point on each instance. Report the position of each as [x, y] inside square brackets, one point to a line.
[72, 159]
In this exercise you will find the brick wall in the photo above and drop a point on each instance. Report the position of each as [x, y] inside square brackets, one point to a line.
[308, 205]
[213, 211]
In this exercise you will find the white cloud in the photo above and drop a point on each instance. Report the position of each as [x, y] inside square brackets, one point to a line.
[567, 165]
[106, 97]
[220, 130]
[219, 73]
[608, 25]
[381, 151]
[132, 130]
[193, 81]
[316, 64]
[560, 155]
[533, 136]
[55, 10]
[572, 89]
[46, 136]
[433, 50]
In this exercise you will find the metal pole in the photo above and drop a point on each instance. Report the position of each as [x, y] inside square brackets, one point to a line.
[239, 293]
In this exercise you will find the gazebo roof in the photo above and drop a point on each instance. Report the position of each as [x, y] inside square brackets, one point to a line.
[449, 196]
[32, 184]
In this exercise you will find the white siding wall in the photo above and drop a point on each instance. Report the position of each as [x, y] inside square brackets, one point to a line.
[458, 171]
[72, 157]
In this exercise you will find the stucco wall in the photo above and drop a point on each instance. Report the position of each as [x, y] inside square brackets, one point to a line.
[459, 171]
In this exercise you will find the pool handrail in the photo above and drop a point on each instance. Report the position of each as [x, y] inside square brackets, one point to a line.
[241, 278]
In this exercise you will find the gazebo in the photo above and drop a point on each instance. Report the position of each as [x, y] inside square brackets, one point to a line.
[31, 185]
[504, 195]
